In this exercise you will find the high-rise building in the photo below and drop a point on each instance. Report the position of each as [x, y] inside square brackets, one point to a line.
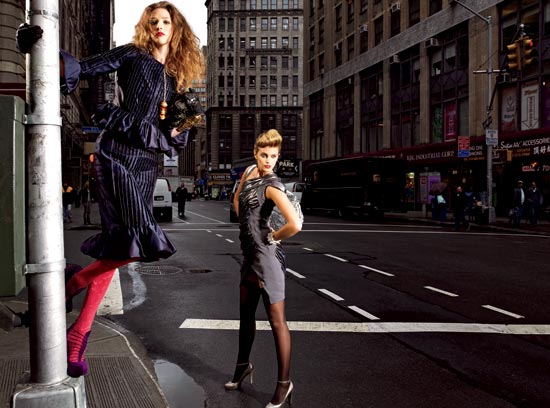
[254, 79]
[410, 80]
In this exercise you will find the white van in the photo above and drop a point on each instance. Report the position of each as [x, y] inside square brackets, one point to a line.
[162, 200]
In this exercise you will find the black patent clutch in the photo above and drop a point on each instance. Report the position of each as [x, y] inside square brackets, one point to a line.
[185, 111]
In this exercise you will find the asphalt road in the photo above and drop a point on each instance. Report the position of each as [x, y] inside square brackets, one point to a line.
[382, 315]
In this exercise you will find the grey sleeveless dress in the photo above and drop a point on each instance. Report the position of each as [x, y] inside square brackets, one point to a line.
[265, 260]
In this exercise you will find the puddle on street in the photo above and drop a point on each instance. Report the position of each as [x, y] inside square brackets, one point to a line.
[180, 389]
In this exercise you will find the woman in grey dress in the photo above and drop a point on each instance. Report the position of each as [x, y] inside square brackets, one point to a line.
[263, 269]
[160, 63]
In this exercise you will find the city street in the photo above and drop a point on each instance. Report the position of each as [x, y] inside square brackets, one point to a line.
[381, 315]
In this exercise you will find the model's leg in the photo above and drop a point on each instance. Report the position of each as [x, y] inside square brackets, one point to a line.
[249, 298]
[281, 335]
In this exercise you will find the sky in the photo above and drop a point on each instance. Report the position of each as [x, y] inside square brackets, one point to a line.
[128, 12]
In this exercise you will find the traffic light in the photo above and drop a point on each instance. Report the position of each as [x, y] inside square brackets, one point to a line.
[530, 54]
[513, 56]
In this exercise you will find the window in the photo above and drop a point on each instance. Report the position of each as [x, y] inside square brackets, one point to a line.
[243, 4]
[273, 81]
[252, 24]
[295, 43]
[272, 100]
[264, 24]
[414, 12]
[351, 11]
[263, 62]
[435, 6]
[295, 81]
[351, 47]
[230, 81]
[230, 62]
[231, 4]
[378, 30]
[295, 62]
[252, 42]
[285, 4]
[253, 5]
[338, 17]
[242, 24]
[242, 100]
[264, 101]
[264, 4]
[252, 62]
[284, 81]
[284, 24]
[221, 23]
[242, 81]
[321, 31]
[395, 23]
[284, 62]
[295, 4]
[295, 23]
[242, 42]
[221, 62]
[294, 100]
[264, 42]
[284, 42]
[273, 41]
[284, 100]
[221, 81]
[231, 24]
[263, 82]
[364, 6]
[273, 61]
[273, 4]
[221, 43]
[252, 81]
[230, 43]
[252, 101]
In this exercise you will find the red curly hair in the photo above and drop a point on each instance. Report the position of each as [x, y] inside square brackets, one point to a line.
[185, 60]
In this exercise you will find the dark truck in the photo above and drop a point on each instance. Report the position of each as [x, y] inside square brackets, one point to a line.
[364, 186]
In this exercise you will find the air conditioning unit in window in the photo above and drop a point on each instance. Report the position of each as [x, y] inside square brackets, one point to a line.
[363, 28]
[395, 7]
[394, 59]
[432, 42]
[337, 46]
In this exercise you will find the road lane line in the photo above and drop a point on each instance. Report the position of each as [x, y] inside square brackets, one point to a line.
[363, 313]
[336, 257]
[443, 292]
[379, 327]
[208, 218]
[309, 249]
[295, 273]
[219, 235]
[332, 295]
[496, 309]
[375, 270]
[230, 241]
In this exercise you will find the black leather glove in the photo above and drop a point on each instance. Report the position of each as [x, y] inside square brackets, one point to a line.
[26, 36]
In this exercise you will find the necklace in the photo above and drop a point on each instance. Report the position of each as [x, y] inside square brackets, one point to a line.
[163, 104]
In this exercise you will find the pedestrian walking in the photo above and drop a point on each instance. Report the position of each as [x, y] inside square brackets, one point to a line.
[517, 204]
[151, 72]
[85, 197]
[67, 198]
[460, 204]
[181, 193]
[263, 270]
[534, 202]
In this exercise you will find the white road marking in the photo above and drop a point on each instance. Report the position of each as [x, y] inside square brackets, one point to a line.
[295, 273]
[308, 249]
[336, 257]
[138, 287]
[206, 218]
[379, 327]
[363, 313]
[496, 309]
[332, 295]
[219, 235]
[443, 292]
[375, 270]
[230, 241]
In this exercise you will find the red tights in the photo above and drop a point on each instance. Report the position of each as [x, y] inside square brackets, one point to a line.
[96, 277]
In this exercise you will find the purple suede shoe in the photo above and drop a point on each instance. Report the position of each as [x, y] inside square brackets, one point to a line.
[78, 368]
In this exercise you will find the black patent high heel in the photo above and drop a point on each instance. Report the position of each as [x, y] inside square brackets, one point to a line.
[237, 385]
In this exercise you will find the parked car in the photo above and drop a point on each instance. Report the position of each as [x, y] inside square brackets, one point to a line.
[232, 214]
[162, 200]
[296, 188]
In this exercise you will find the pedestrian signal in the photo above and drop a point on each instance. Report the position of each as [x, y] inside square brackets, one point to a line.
[513, 56]
[530, 54]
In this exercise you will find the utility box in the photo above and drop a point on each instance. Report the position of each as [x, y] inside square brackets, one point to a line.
[12, 195]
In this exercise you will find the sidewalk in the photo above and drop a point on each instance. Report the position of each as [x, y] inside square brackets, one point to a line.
[121, 374]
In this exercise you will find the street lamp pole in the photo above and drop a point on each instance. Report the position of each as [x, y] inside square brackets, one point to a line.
[489, 119]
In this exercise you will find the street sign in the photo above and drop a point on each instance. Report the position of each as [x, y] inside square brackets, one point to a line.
[90, 129]
[491, 137]
[463, 146]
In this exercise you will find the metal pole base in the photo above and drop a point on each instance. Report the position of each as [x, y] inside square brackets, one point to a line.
[70, 393]
[491, 216]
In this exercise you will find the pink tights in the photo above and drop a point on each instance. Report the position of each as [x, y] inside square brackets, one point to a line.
[96, 277]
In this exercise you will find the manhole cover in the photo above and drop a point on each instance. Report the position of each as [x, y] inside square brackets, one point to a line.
[199, 270]
[158, 270]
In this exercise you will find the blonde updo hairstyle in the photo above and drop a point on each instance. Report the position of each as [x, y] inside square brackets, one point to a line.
[271, 138]
[185, 59]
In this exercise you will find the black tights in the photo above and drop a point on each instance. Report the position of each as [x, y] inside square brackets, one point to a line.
[250, 294]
